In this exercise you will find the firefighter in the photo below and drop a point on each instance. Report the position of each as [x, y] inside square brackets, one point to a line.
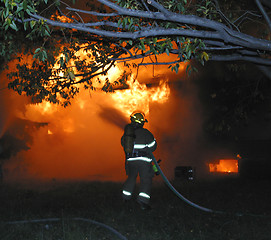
[137, 142]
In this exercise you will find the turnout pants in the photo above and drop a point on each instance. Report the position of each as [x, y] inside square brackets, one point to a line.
[145, 172]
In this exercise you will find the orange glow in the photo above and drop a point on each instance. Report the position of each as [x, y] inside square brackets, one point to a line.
[224, 165]
[78, 143]
[62, 18]
[138, 96]
[81, 141]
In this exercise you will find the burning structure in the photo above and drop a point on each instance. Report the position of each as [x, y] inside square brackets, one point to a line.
[82, 141]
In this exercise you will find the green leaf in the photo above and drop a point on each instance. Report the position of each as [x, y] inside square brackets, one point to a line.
[37, 50]
[25, 4]
[13, 26]
[44, 54]
[176, 68]
[61, 61]
[32, 24]
[205, 56]
[8, 21]
[189, 53]
[119, 22]
[25, 26]
[19, 8]
[6, 13]
[46, 33]
[28, 11]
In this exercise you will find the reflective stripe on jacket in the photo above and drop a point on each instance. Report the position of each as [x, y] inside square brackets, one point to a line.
[141, 146]
[143, 139]
[146, 159]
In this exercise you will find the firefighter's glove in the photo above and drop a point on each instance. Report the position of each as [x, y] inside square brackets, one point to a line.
[155, 169]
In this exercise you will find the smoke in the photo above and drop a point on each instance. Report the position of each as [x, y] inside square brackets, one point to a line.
[10, 102]
[113, 116]
[77, 143]
[82, 141]
[177, 125]
[5, 110]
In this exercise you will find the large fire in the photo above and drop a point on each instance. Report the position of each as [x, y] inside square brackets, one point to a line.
[137, 97]
[82, 141]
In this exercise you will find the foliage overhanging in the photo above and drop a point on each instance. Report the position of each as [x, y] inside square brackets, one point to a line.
[119, 30]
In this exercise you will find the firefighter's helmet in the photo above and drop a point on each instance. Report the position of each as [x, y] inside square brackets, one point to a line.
[138, 118]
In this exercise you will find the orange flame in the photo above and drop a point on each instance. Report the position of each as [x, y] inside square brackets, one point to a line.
[138, 96]
[224, 165]
[77, 143]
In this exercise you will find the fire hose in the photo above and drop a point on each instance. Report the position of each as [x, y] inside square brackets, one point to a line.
[75, 219]
[188, 201]
[175, 191]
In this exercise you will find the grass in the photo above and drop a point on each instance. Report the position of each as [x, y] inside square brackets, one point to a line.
[170, 218]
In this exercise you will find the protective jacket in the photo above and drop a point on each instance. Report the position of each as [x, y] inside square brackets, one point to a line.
[141, 139]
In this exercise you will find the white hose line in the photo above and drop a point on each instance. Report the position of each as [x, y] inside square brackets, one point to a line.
[193, 204]
[74, 219]
[176, 192]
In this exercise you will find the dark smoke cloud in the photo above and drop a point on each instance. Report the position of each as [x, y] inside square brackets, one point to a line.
[177, 125]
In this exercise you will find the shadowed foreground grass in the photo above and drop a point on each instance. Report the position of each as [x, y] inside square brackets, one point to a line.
[169, 219]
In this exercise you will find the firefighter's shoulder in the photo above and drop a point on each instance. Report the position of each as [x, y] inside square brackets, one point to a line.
[143, 131]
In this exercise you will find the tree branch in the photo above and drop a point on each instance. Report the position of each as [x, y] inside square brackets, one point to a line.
[244, 16]
[93, 13]
[239, 57]
[158, 63]
[223, 16]
[214, 30]
[225, 33]
[260, 6]
[216, 36]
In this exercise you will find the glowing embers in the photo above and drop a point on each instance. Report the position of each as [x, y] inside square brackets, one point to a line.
[224, 166]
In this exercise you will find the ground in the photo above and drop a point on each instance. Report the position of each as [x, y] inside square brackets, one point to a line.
[95, 210]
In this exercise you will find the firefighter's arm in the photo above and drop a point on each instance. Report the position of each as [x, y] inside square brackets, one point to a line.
[153, 145]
